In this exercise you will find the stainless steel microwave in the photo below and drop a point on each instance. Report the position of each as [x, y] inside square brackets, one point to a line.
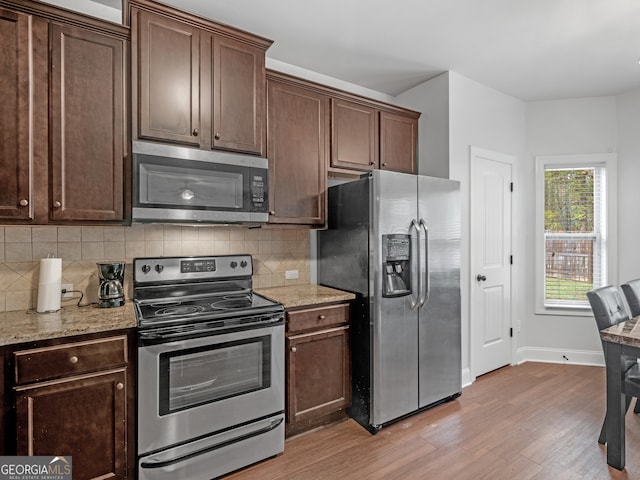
[179, 184]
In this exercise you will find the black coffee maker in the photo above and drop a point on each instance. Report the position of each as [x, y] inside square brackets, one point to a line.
[111, 290]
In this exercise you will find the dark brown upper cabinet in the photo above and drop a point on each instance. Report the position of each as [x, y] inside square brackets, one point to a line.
[16, 77]
[398, 142]
[169, 76]
[366, 137]
[298, 120]
[63, 129]
[87, 118]
[354, 138]
[196, 82]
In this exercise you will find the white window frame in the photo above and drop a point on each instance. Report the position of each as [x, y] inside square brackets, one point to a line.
[610, 163]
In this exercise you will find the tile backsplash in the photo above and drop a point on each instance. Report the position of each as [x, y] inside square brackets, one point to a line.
[274, 251]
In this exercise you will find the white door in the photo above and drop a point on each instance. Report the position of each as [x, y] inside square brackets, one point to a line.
[490, 313]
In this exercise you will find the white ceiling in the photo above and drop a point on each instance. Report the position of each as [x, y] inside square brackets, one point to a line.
[530, 49]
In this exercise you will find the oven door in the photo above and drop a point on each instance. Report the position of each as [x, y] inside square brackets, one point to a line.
[197, 386]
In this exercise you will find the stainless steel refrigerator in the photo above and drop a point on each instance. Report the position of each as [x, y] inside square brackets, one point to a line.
[393, 239]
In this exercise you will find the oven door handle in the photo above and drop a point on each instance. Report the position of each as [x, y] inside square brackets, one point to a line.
[149, 462]
[153, 338]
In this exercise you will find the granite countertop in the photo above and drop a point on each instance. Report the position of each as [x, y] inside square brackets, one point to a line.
[625, 333]
[21, 326]
[305, 295]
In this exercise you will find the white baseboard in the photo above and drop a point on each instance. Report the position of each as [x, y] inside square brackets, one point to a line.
[556, 355]
[466, 377]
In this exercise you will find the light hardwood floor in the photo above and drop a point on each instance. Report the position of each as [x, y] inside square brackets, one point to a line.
[534, 421]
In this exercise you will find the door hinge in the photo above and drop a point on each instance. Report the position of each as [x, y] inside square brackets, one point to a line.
[510, 259]
[511, 187]
[511, 332]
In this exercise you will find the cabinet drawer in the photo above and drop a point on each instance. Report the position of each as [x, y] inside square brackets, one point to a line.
[313, 318]
[69, 359]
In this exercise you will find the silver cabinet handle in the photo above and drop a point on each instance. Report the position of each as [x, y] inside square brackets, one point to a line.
[57, 204]
[73, 359]
[119, 386]
[24, 202]
[294, 349]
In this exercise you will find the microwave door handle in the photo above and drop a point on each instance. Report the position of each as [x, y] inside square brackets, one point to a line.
[415, 267]
[424, 272]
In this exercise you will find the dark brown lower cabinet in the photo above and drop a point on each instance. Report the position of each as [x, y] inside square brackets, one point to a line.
[82, 417]
[318, 368]
[73, 397]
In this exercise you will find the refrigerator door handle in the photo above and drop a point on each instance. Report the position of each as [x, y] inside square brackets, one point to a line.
[416, 266]
[424, 272]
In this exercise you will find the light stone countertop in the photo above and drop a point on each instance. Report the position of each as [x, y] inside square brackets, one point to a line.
[625, 333]
[29, 326]
[305, 295]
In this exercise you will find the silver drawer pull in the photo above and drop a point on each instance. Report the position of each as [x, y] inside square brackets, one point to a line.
[119, 386]
[73, 359]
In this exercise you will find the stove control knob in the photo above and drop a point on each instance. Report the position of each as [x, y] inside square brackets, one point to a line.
[146, 269]
[243, 263]
[159, 268]
[234, 264]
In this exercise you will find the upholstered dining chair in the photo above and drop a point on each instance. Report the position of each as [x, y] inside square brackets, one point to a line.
[631, 290]
[609, 309]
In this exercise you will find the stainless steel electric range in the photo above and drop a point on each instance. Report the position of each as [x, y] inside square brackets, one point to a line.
[210, 367]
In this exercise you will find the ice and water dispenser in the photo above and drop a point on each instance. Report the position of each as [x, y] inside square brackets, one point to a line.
[396, 260]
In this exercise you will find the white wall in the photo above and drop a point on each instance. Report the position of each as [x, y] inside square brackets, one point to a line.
[89, 7]
[432, 99]
[628, 127]
[574, 126]
[485, 118]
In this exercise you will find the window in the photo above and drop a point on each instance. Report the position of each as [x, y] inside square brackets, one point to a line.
[573, 228]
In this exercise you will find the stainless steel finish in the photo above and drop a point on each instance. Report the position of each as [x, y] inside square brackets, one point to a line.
[394, 389]
[216, 455]
[141, 214]
[167, 269]
[406, 349]
[210, 365]
[160, 431]
[439, 320]
[111, 288]
[189, 185]
[213, 156]
[424, 269]
[415, 265]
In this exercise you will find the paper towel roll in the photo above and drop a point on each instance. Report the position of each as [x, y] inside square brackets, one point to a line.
[49, 285]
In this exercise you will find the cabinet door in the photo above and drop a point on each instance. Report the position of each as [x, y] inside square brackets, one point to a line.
[297, 133]
[319, 379]
[354, 140]
[83, 417]
[168, 58]
[398, 142]
[16, 76]
[86, 124]
[238, 96]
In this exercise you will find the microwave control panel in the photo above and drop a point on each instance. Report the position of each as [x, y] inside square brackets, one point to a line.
[258, 192]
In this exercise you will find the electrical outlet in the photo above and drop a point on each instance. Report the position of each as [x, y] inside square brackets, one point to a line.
[68, 287]
[291, 274]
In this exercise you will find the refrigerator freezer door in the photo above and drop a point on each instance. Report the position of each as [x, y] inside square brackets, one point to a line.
[394, 324]
[439, 322]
